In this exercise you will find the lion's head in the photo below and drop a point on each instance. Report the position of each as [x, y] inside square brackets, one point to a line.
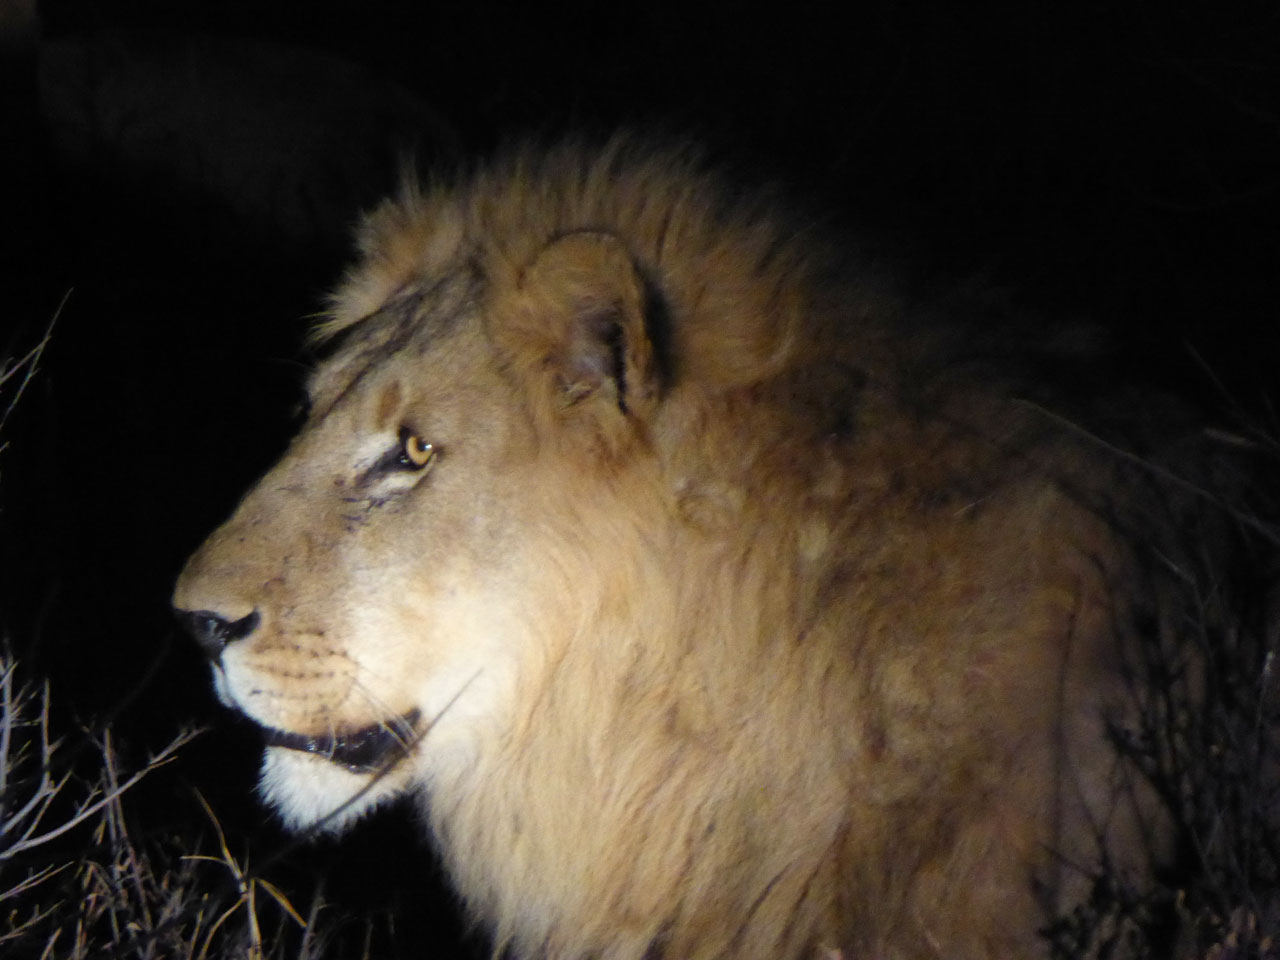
[711, 606]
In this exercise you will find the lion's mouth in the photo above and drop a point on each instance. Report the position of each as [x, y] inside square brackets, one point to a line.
[362, 751]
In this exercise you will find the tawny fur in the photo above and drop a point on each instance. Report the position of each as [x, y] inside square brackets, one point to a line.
[752, 616]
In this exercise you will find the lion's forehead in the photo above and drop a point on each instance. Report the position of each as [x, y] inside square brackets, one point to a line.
[412, 323]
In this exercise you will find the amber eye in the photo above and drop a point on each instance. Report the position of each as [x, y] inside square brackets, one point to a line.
[415, 453]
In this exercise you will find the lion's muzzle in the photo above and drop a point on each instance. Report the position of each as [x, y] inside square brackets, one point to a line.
[363, 750]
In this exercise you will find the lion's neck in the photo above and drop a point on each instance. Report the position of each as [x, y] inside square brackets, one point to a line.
[634, 784]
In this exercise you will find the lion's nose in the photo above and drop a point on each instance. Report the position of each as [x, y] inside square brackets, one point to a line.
[214, 632]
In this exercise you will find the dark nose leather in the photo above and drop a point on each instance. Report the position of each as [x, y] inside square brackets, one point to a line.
[214, 632]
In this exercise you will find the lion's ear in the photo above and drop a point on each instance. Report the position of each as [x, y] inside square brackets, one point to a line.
[581, 323]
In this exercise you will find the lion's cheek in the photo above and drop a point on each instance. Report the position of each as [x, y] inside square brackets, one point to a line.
[477, 665]
[309, 792]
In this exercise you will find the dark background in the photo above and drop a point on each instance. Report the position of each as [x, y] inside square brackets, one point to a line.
[188, 172]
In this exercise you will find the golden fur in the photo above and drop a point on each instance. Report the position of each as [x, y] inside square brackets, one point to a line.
[744, 614]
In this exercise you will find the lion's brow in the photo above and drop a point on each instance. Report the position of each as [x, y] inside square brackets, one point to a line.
[414, 314]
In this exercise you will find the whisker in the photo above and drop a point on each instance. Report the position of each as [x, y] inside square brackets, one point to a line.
[382, 771]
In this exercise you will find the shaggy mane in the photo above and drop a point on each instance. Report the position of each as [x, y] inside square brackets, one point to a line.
[711, 248]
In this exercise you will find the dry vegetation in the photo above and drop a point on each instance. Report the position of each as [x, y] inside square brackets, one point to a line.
[80, 879]
[1207, 741]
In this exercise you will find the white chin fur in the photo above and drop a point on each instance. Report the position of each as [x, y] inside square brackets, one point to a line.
[309, 792]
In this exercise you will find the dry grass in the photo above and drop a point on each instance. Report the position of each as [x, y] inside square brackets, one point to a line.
[78, 880]
[79, 876]
[16, 375]
[1207, 739]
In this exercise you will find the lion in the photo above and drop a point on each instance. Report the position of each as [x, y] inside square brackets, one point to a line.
[710, 600]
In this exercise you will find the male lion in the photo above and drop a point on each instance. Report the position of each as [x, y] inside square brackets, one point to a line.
[710, 603]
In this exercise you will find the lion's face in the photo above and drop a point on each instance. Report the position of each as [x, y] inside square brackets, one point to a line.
[368, 575]
[354, 568]
[370, 602]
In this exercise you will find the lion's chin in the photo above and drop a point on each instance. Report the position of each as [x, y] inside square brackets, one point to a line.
[312, 793]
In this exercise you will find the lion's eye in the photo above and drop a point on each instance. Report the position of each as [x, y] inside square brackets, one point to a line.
[415, 453]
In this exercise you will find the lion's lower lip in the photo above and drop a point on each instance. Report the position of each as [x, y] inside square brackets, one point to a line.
[361, 751]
